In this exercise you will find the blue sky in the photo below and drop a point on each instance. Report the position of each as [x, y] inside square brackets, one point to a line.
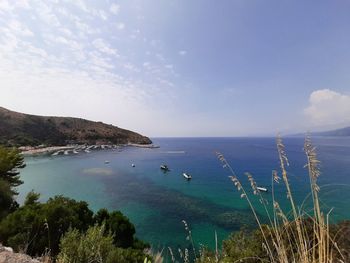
[180, 68]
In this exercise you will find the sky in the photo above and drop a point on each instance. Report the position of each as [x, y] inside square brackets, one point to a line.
[179, 67]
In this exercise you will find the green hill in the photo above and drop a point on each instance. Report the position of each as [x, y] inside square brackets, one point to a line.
[20, 129]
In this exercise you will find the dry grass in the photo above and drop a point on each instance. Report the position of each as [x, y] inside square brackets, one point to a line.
[288, 237]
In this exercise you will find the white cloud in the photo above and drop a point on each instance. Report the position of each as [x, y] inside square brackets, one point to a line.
[6, 6]
[104, 47]
[54, 60]
[327, 107]
[182, 52]
[114, 9]
[81, 5]
[120, 26]
[46, 14]
[64, 42]
[19, 28]
[102, 15]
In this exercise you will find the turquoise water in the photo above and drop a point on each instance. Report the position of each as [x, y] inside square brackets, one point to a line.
[157, 202]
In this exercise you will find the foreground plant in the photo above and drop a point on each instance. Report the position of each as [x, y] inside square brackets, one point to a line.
[298, 236]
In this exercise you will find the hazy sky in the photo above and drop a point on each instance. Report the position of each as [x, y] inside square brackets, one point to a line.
[180, 67]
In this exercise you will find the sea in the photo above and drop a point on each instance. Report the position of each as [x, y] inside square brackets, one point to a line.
[159, 202]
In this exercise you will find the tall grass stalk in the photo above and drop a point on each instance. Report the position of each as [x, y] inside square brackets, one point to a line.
[287, 238]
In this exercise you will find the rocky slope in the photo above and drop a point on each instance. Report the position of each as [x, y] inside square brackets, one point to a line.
[8, 256]
[23, 129]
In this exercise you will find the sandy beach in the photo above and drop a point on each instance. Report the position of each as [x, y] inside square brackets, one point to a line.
[44, 150]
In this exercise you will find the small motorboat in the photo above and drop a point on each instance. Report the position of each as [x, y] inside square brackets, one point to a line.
[133, 165]
[106, 162]
[164, 167]
[262, 189]
[187, 176]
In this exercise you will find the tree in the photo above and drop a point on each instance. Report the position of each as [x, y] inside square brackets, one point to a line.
[7, 203]
[10, 161]
[36, 227]
[119, 225]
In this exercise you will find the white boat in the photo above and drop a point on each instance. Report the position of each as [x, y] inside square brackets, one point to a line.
[75, 151]
[262, 189]
[187, 176]
[66, 152]
[87, 151]
[133, 165]
[56, 153]
[106, 162]
[164, 167]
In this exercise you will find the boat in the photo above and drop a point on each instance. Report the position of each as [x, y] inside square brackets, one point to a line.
[106, 162]
[66, 152]
[87, 151]
[164, 167]
[187, 176]
[56, 153]
[262, 189]
[133, 165]
[75, 151]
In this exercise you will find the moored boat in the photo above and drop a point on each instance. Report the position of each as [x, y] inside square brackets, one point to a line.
[262, 189]
[164, 167]
[187, 176]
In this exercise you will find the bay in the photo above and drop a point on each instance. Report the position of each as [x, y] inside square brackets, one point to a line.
[157, 202]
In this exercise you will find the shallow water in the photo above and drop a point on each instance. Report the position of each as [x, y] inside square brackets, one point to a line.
[157, 202]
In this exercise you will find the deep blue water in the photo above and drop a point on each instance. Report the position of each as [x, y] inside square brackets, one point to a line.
[157, 202]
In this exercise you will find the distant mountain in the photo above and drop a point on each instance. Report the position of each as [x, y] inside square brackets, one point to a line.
[23, 129]
[339, 132]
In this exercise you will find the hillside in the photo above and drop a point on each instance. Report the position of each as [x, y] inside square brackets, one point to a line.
[339, 132]
[24, 129]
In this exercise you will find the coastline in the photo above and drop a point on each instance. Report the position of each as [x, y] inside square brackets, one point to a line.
[38, 150]
[26, 150]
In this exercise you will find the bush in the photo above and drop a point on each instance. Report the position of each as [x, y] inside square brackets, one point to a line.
[36, 227]
[93, 246]
[119, 225]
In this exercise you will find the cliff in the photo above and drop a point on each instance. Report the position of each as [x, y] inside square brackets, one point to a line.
[20, 129]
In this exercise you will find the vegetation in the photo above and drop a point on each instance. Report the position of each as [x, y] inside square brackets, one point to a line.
[18, 129]
[38, 227]
[10, 163]
[50, 228]
[95, 246]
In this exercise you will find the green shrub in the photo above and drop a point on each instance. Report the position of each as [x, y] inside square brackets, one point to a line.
[119, 225]
[36, 227]
[92, 246]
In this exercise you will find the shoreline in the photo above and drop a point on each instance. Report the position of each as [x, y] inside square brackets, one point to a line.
[37, 150]
[44, 150]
